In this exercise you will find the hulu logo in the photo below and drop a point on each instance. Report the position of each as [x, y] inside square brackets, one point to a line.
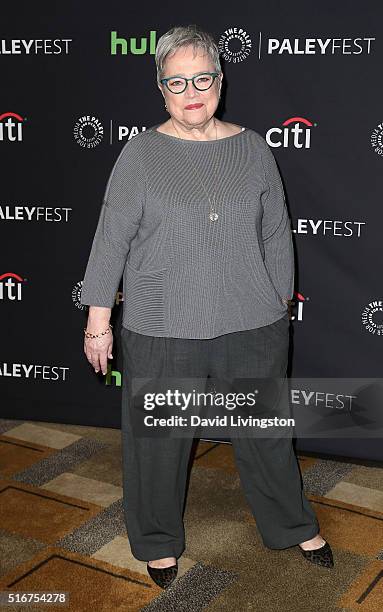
[123, 47]
[113, 377]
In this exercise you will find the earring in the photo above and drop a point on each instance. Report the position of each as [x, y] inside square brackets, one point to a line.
[166, 108]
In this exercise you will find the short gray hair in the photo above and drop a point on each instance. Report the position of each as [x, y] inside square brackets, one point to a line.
[182, 36]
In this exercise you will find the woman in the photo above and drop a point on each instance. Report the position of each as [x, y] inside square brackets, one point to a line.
[194, 219]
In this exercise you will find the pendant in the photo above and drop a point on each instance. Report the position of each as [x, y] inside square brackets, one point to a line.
[213, 216]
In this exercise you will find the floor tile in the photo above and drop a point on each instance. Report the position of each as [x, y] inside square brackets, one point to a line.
[17, 455]
[355, 494]
[94, 491]
[117, 552]
[42, 435]
[42, 515]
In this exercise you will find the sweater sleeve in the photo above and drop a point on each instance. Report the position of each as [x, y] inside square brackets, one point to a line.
[118, 223]
[276, 229]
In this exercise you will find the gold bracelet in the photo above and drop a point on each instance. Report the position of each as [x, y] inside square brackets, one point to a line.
[89, 335]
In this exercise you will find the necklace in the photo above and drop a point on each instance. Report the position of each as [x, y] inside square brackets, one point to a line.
[213, 215]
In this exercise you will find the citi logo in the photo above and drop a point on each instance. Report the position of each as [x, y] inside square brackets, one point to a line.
[291, 133]
[10, 286]
[123, 46]
[298, 302]
[11, 130]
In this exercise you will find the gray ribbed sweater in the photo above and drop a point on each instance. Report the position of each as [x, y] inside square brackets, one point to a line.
[183, 275]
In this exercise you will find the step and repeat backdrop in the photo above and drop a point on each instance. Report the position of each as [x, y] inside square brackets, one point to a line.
[79, 80]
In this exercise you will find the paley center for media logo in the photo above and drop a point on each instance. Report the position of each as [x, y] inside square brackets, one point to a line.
[11, 286]
[377, 139]
[372, 317]
[89, 132]
[11, 127]
[234, 45]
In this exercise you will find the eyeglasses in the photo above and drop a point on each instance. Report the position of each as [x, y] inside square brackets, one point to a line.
[177, 84]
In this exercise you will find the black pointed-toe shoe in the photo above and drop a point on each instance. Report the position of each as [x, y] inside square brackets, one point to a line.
[320, 556]
[163, 576]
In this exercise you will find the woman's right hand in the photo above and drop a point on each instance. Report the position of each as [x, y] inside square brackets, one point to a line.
[98, 350]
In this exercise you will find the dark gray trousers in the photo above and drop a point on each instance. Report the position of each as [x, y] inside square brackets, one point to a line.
[155, 469]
